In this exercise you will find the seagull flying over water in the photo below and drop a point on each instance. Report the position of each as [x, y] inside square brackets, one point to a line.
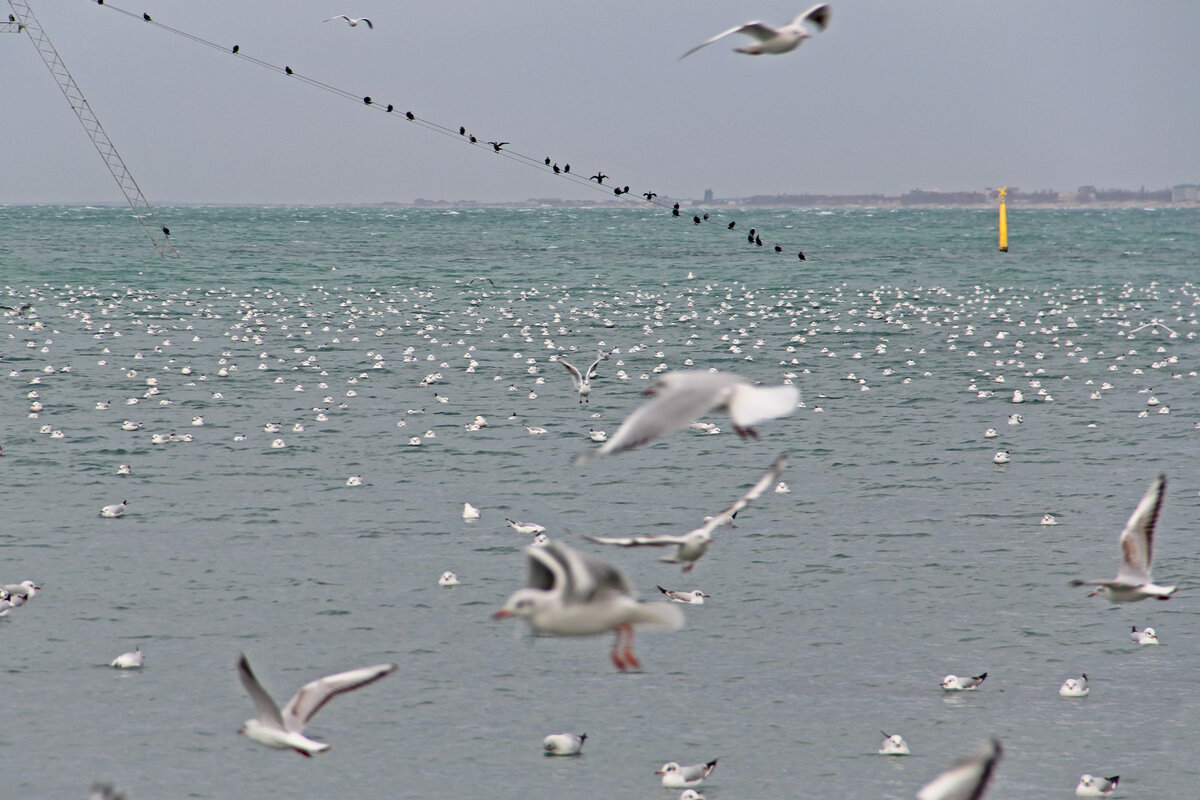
[681, 397]
[569, 593]
[583, 383]
[353, 22]
[692, 545]
[284, 729]
[1133, 581]
[774, 40]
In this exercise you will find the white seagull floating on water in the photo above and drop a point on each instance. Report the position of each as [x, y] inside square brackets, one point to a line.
[893, 745]
[774, 40]
[1094, 786]
[284, 729]
[134, 659]
[695, 597]
[953, 683]
[1133, 580]
[1075, 687]
[1144, 636]
[675, 776]
[563, 744]
[569, 593]
[681, 397]
[693, 545]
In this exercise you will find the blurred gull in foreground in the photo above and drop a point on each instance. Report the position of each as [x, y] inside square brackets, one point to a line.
[966, 780]
[572, 594]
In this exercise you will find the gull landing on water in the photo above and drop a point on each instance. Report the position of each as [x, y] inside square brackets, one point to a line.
[284, 729]
[569, 593]
[681, 397]
[583, 382]
[774, 40]
[1133, 581]
[966, 780]
[693, 545]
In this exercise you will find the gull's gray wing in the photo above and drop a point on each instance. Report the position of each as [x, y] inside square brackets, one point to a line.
[966, 780]
[546, 568]
[817, 16]
[758, 30]
[637, 541]
[769, 478]
[313, 696]
[679, 398]
[591, 373]
[588, 577]
[576, 378]
[265, 706]
[1137, 539]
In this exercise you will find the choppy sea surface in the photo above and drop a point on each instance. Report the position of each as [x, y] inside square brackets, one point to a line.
[901, 553]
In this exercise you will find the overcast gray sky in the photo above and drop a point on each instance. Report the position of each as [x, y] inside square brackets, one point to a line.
[893, 96]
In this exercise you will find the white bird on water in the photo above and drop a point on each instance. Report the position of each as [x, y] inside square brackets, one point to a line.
[448, 578]
[114, 510]
[966, 780]
[681, 397]
[893, 745]
[352, 21]
[953, 683]
[695, 597]
[1133, 580]
[583, 382]
[134, 659]
[774, 40]
[1095, 786]
[469, 512]
[569, 593]
[563, 744]
[692, 545]
[675, 776]
[284, 729]
[1075, 687]
[1144, 636]
[526, 528]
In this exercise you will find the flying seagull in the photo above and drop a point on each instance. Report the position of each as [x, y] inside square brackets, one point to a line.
[683, 396]
[353, 22]
[284, 729]
[570, 593]
[583, 382]
[1133, 581]
[692, 545]
[774, 40]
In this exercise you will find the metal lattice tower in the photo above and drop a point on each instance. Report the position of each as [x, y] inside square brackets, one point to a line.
[27, 22]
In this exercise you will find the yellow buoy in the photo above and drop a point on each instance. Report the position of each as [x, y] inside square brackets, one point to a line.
[1003, 222]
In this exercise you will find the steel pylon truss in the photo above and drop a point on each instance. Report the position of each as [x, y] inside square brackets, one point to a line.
[27, 22]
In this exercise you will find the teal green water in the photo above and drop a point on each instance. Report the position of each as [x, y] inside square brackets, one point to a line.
[901, 553]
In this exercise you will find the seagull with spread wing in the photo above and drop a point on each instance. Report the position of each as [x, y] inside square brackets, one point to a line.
[284, 729]
[772, 40]
[1133, 580]
[682, 397]
[692, 545]
[583, 382]
[352, 21]
[569, 593]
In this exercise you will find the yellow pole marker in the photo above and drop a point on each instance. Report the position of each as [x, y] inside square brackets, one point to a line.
[1003, 222]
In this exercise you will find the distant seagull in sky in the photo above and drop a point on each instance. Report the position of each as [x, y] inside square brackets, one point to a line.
[774, 40]
[692, 545]
[284, 729]
[570, 593]
[352, 21]
[966, 780]
[1133, 581]
[681, 397]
